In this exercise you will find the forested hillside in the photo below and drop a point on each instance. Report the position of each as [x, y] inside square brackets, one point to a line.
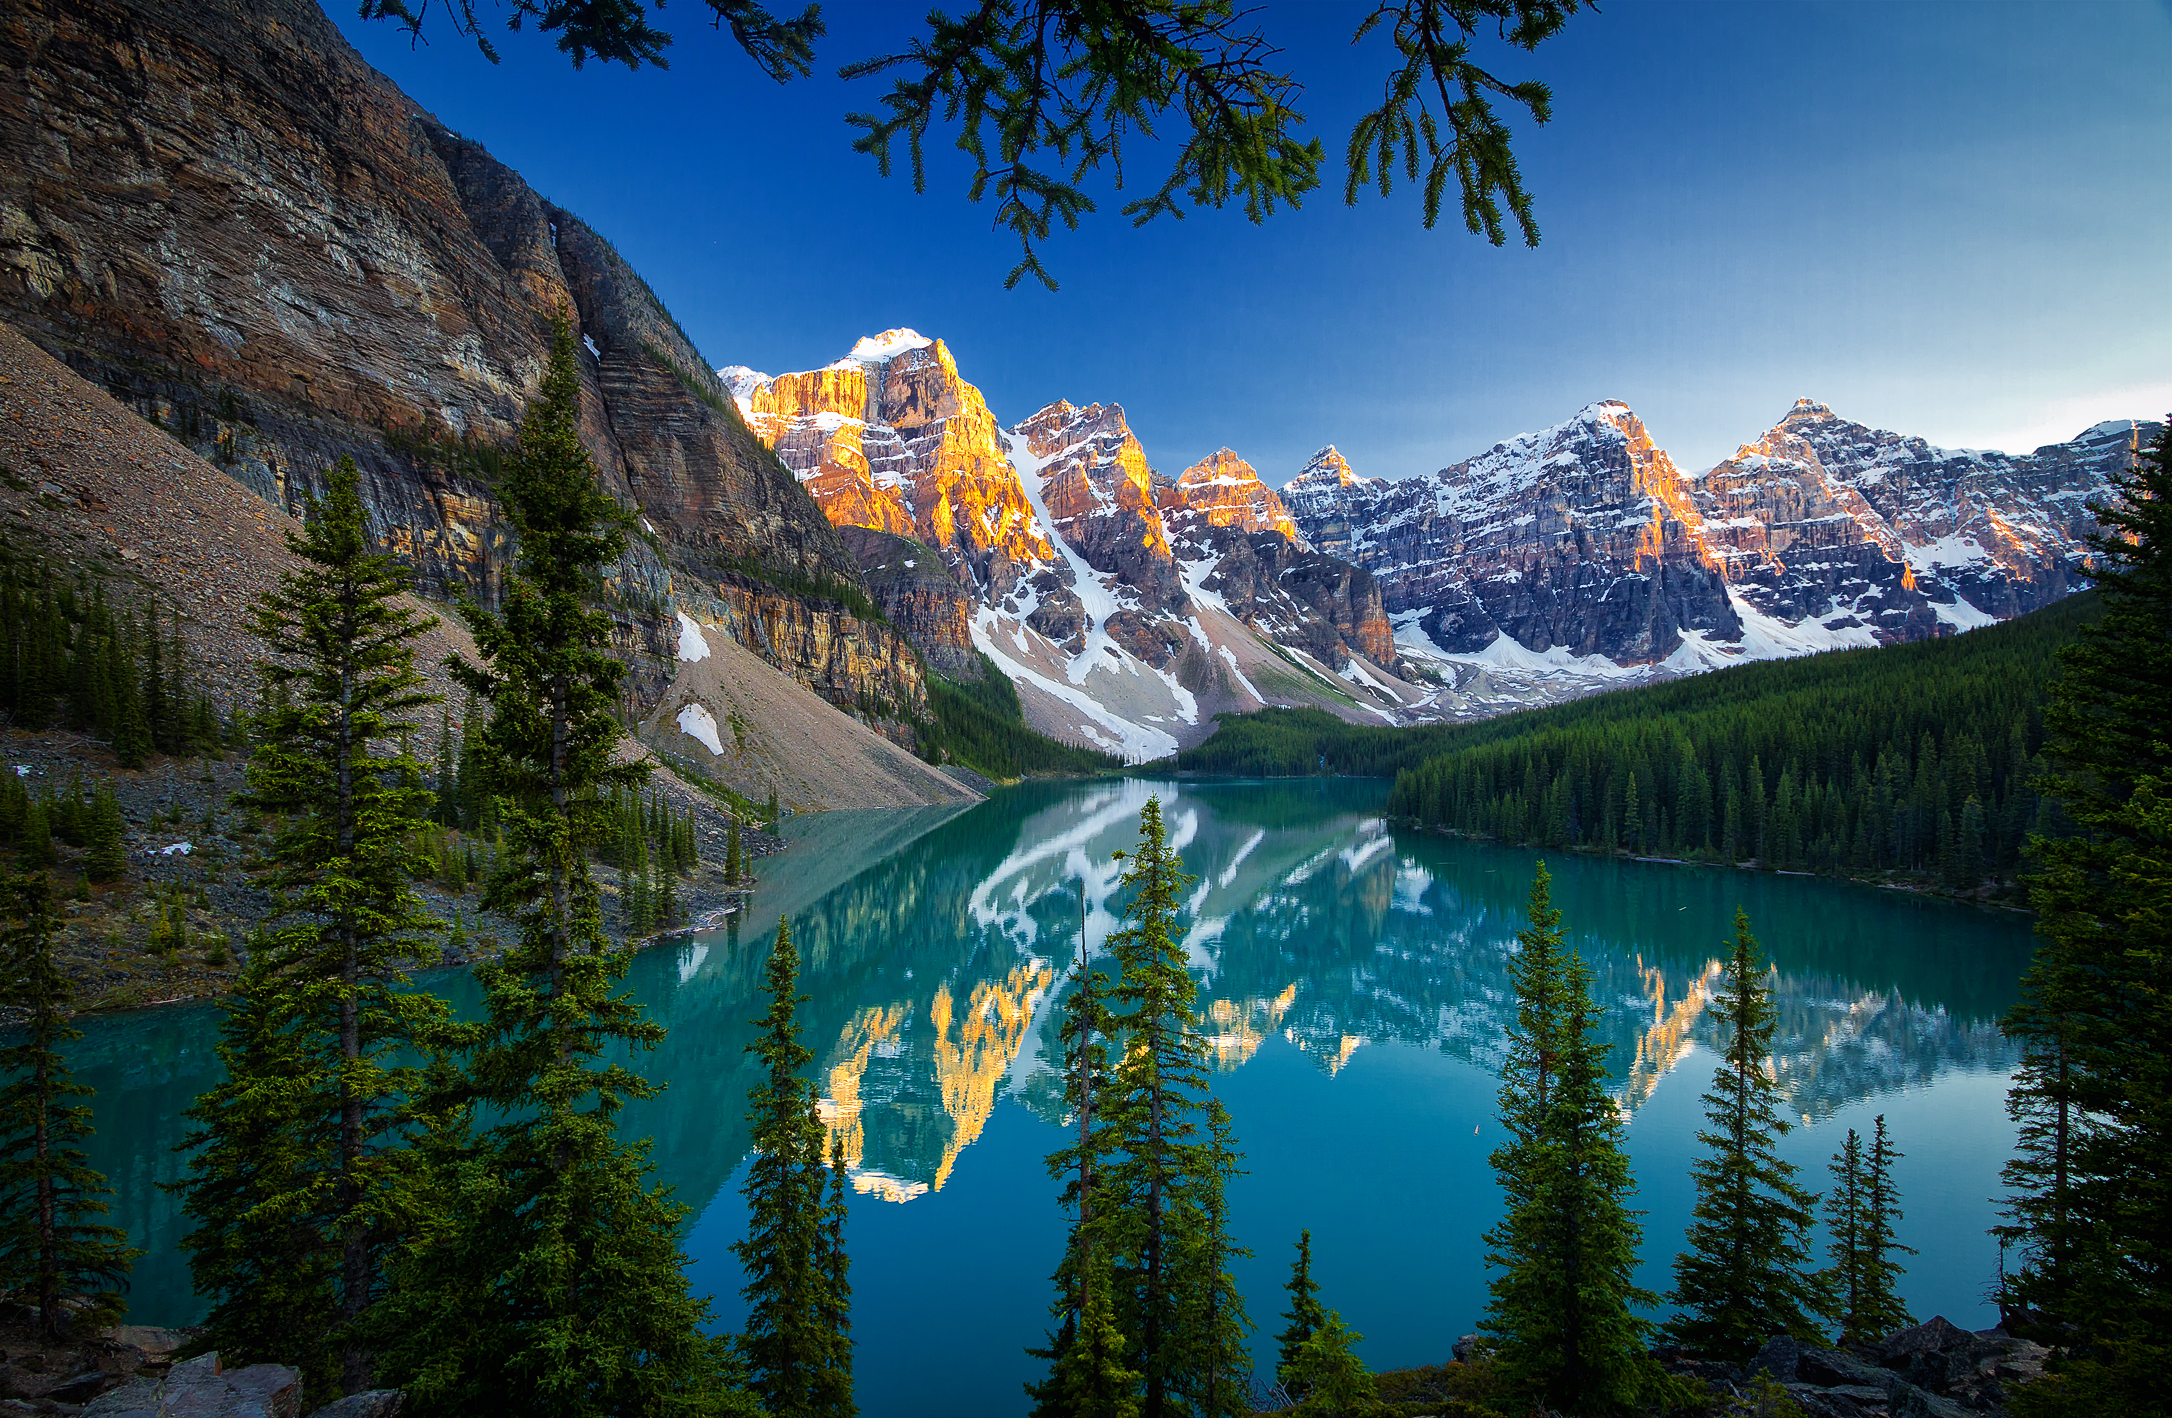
[1919, 759]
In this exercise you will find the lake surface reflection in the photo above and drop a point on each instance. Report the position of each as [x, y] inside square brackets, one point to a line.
[1354, 983]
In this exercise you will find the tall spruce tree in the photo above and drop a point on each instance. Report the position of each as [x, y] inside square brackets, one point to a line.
[1157, 1107]
[1742, 1279]
[1087, 1376]
[1305, 1314]
[833, 1386]
[1563, 1307]
[50, 1244]
[1216, 1380]
[548, 1277]
[1860, 1211]
[2090, 1201]
[790, 1346]
[333, 765]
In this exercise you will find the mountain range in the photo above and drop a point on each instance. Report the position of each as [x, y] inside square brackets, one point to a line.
[221, 216]
[1130, 605]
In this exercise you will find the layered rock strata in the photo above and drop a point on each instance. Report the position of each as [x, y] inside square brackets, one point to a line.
[221, 213]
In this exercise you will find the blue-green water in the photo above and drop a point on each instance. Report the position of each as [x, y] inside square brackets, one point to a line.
[1354, 982]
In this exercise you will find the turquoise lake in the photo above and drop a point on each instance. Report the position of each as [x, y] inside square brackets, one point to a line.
[1355, 989]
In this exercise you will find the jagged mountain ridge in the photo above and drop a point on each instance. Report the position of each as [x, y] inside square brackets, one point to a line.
[1128, 606]
[1582, 553]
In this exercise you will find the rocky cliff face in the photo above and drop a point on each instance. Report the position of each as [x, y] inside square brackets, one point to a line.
[221, 213]
[1223, 490]
[1583, 548]
[1582, 538]
[1981, 534]
[1129, 606]
[921, 598]
[892, 437]
[1320, 496]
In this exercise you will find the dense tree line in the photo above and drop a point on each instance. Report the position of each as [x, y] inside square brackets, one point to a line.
[1921, 759]
[72, 658]
[982, 725]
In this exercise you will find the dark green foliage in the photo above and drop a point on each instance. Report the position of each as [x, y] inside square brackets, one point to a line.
[50, 1245]
[34, 849]
[69, 658]
[1216, 1380]
[833, 1385]
[106, 860]
[798, 1359]
[1162, 1184]
[1563, 1303]
[734, 864]
[332, 765]
[2090, 1208]
[1087, 1377]
[1742, 1279]
[546, 1275]
[983, 727]
[258, 1251]
[1326, 1375]
[1305, 1313]
[1913, 758]
[1150, 1317]
[1860, 1211]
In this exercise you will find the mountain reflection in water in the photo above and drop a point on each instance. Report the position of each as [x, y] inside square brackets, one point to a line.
[1332, 952]
[937, 970]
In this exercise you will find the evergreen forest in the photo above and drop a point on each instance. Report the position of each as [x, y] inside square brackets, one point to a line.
[1918, 760]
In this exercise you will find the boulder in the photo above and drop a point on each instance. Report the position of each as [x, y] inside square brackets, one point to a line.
[200, 1388]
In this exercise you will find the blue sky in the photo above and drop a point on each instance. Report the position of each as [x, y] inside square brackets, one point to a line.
[1950, 220]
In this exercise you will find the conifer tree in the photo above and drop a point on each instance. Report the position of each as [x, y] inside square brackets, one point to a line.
[332, 762]
[787, 1346]
[257, 1249]
[2091, 1199]
[1742, 1279]
[107, 859]
[1156, 1106]
[1860, 1211]
[667, 898]
[1328, 1373]
[833, 1385]
[1564, 1305]
[1216, 1371]
[1087, 1376]
[50, 1245]
[35, 851]
[732, 864]
[547, 1277]
[1305, 1313]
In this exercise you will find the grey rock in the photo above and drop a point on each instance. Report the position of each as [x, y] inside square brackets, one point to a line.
[199, 1388]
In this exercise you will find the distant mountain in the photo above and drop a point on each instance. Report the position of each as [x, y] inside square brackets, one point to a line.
[1129, 607]
[1582, 554]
